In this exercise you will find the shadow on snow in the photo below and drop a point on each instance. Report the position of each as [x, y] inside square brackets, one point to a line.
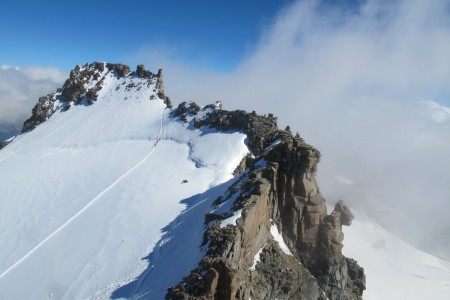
[177, 252]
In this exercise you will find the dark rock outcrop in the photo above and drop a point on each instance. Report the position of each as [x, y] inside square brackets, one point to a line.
[260, 130]
[43, 109]
[280, 276]
[3, 144]
[186, 109]
[121, 70]
[142, 72]
[279, 190]
[160, 88]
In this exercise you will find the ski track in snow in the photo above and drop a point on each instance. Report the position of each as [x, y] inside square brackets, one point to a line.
[90, 203]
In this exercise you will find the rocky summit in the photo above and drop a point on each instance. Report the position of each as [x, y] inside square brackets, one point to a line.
[82, 87]
[141, 200]
[276, 191]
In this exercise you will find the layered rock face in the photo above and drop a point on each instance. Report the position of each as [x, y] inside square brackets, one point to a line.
[280, 206]
[82, 88]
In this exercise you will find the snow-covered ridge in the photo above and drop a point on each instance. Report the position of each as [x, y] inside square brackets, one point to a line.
[92, 192]
[86, 83]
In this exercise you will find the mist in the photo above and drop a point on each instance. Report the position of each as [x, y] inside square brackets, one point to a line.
[20, 89]
[367, 84]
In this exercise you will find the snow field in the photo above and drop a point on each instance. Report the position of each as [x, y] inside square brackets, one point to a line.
[393, 268]
[87, 196]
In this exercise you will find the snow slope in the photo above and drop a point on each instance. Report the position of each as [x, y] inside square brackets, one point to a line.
[393, 268]
[89, 196]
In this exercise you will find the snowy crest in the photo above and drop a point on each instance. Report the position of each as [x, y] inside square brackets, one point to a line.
[93, 81]
[106, 168]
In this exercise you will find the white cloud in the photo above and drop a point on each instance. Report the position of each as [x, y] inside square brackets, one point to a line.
[352, 83]
[51, 74]
[438, 112]
[21, 88]
[8, 67]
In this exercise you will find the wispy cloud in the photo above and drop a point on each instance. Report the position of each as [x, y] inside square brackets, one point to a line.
[438, 112]
[352, 82]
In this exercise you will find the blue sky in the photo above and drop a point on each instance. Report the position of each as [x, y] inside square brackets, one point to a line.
[65, 33]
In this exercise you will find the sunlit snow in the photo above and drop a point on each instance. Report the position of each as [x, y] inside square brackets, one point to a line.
[279, 238]
[231, 220]
[256, 259]
[87, 196]
[394, 269]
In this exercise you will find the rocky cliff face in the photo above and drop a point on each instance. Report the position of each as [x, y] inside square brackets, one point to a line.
[283, 244]
[82, 88]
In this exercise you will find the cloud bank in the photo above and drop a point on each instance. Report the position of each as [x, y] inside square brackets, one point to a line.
[20, 89]
[367, 84]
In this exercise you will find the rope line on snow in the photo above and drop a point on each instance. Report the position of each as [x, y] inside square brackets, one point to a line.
[89, 204]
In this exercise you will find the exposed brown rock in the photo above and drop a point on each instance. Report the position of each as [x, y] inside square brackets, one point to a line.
[282, 193]
[3, 144]
[358, 280]
[142, 72]
[43, 109]
[160, 87]
[346, 214]
[160, 82]
[281, 276]
[121, 69]
[245, 163]
[260, 130]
